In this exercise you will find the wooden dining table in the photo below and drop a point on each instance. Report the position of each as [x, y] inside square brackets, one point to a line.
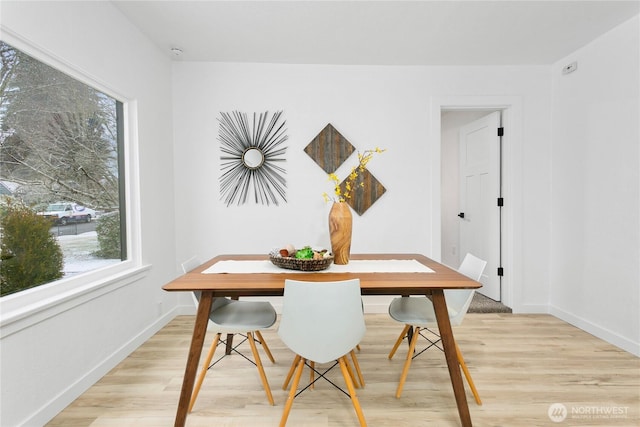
[432, 283]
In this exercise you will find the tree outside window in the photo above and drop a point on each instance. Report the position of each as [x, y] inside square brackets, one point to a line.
[60, 142]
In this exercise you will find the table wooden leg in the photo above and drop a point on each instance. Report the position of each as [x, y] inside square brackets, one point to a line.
[449, 344]
[195, 351]
[409, 336]
[410, 330]
[229, 347]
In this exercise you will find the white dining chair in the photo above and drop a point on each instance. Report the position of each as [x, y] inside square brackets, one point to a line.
[233, 317]
[418, 315]
[358, 381]
[322, 322]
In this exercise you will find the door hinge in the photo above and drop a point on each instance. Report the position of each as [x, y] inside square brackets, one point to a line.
[500, 201]
[500, 271]
[500, 131]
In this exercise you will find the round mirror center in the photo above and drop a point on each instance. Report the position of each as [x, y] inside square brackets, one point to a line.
[252, 158]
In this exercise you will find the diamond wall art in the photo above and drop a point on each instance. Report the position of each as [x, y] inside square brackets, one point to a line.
[329, 149]
[367, 194]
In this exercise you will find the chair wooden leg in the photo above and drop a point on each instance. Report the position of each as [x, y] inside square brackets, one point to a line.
[265, 347]
[467, 375]
[263, 376]
[352, 391]
[357, 381]
[399, 340]
[292, 392]
[351, 374]
[407, 363]
[312, 366]
[291, 371]
[357, 366]
[203, 372]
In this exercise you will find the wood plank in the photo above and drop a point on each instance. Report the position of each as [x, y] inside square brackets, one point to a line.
[521, 364]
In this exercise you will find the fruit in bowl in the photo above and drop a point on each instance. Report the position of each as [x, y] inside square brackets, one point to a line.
[305, 259]
[305, 253]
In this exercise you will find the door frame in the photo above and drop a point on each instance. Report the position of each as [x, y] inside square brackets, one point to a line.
[511, 107]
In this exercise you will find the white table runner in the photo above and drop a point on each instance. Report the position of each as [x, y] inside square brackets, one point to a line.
[354, 266]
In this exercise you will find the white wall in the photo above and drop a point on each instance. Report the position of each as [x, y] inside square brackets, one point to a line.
[57, 351]
[595, 245]
[389, 107]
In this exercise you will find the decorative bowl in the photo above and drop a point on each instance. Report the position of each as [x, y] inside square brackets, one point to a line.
[292, 263]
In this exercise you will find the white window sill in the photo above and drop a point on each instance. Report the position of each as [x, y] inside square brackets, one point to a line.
[31, 306]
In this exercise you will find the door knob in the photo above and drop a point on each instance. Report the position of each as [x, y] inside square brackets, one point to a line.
[461, 214]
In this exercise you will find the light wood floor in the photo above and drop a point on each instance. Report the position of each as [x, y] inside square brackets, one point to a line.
[521, 365]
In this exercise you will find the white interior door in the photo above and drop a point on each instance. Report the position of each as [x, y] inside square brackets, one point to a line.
[479, 191]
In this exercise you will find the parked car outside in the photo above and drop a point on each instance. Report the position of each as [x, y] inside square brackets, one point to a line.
[63, 213]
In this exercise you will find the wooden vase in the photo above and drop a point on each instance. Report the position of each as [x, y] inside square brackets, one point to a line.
[340, 222]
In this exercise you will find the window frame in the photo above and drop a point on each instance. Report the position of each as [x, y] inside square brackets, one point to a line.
[19, 310]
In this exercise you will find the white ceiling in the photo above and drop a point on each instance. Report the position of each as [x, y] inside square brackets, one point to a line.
[376, 32]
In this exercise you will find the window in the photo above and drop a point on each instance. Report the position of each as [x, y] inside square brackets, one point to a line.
[61, 161]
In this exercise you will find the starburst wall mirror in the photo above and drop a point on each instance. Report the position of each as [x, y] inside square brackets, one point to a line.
[251, 153]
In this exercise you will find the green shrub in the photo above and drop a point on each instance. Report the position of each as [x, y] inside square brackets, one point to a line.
[108, 230]
[29, 255]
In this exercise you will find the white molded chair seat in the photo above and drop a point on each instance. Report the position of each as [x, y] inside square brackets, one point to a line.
[322, 322]
[232, 317]
[237, 317]
[417, 313]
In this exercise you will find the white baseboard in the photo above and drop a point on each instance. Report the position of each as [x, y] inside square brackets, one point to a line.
[597, 330]
[47, 412]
